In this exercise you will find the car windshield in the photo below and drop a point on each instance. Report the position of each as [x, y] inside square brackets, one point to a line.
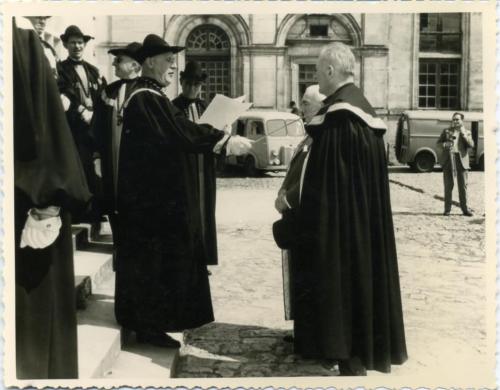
[295, 127]
[280, 128]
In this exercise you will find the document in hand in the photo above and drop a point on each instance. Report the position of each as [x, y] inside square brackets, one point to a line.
[223, 111]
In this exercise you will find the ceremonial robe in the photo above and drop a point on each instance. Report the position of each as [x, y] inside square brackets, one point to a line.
[47, 172]
[87, 95]
[348, 301]
[161, 276]
[204, 175]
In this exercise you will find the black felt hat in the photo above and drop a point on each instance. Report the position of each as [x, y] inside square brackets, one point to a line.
[74, 31]
[193, 72]
[131, 50]
[154, 45]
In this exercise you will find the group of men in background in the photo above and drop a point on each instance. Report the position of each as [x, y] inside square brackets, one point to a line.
[158, 188]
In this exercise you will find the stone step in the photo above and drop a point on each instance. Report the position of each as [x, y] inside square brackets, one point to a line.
[99, 338]
[145, 361]
[83, 239]
[91, 269]
[140, 360]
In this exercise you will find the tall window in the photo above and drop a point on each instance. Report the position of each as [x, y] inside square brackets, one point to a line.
[210, 46]
[441, 33]
[307, 77]
[440, 59]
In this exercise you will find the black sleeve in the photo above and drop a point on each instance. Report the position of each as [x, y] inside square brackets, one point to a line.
[171, 126]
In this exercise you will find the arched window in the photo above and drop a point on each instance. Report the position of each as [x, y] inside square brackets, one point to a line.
[306, 37]
[210, 46]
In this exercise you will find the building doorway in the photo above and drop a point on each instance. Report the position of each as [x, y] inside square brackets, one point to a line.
[209, 45]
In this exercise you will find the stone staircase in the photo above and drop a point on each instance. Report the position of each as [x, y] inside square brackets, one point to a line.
[104, 350]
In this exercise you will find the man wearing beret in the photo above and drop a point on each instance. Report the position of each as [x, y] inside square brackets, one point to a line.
[82, 84]
[161, 276]
[108, 125]
[202, 164]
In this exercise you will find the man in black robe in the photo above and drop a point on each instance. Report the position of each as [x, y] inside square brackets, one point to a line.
[82, 84]
[348, 301]
[202, 164]
[107, 126]
[49, 182]
[161, 276]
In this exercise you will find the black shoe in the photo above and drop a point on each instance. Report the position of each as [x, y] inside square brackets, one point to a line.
[158, 339]
[352, 367]
[468, 213]
[446, 213]
[288, 339]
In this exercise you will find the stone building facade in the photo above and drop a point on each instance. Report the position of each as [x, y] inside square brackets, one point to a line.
[403, 61]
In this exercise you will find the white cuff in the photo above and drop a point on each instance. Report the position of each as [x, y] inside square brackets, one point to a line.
[218, 146]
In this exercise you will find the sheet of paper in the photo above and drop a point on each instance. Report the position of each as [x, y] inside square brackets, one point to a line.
[223, 111]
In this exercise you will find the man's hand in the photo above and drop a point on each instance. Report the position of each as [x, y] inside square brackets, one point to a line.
[280, 203]
[87, 116]
[237, 145]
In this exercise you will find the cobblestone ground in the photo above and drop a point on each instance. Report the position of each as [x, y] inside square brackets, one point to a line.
[441, 264]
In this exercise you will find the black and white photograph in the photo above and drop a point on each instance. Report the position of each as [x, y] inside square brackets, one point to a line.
[287, 194]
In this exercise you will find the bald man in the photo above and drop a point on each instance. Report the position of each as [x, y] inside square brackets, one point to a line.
[289, 193]
[347, 308]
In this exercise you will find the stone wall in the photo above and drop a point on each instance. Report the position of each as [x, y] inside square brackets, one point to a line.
[265, 68]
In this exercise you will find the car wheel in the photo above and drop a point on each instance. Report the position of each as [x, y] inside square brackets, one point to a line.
[424, 162]
[250, 167]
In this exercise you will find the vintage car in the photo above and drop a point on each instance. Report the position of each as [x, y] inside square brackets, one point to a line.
[418, 132]
[274, 136]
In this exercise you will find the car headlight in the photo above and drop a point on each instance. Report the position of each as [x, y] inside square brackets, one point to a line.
[274, 160]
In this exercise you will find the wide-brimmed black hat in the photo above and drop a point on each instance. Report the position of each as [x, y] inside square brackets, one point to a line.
[193, 72]
[154, 45]
[131, 50]
[74, 31]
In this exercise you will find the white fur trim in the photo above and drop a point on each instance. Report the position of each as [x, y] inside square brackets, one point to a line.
[140, 90]
[373, 122]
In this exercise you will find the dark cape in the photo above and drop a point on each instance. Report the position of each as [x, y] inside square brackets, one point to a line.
[348, 301]
[47, 171]
[161, 276]
[204, 175]
[71, 86]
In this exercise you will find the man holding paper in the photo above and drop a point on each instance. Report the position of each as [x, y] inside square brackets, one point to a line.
[161, 278]
[202, 165]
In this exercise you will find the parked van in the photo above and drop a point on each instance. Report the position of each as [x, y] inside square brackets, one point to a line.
[274, 136]
[418, 132]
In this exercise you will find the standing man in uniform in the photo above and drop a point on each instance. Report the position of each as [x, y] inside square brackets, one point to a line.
[161, 276]
[349, 307]
[107, 127]
[455, 143]
[82, 84]
[202, 164]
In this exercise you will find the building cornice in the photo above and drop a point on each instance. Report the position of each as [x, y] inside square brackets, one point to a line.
[263, 49]
[372, 50]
